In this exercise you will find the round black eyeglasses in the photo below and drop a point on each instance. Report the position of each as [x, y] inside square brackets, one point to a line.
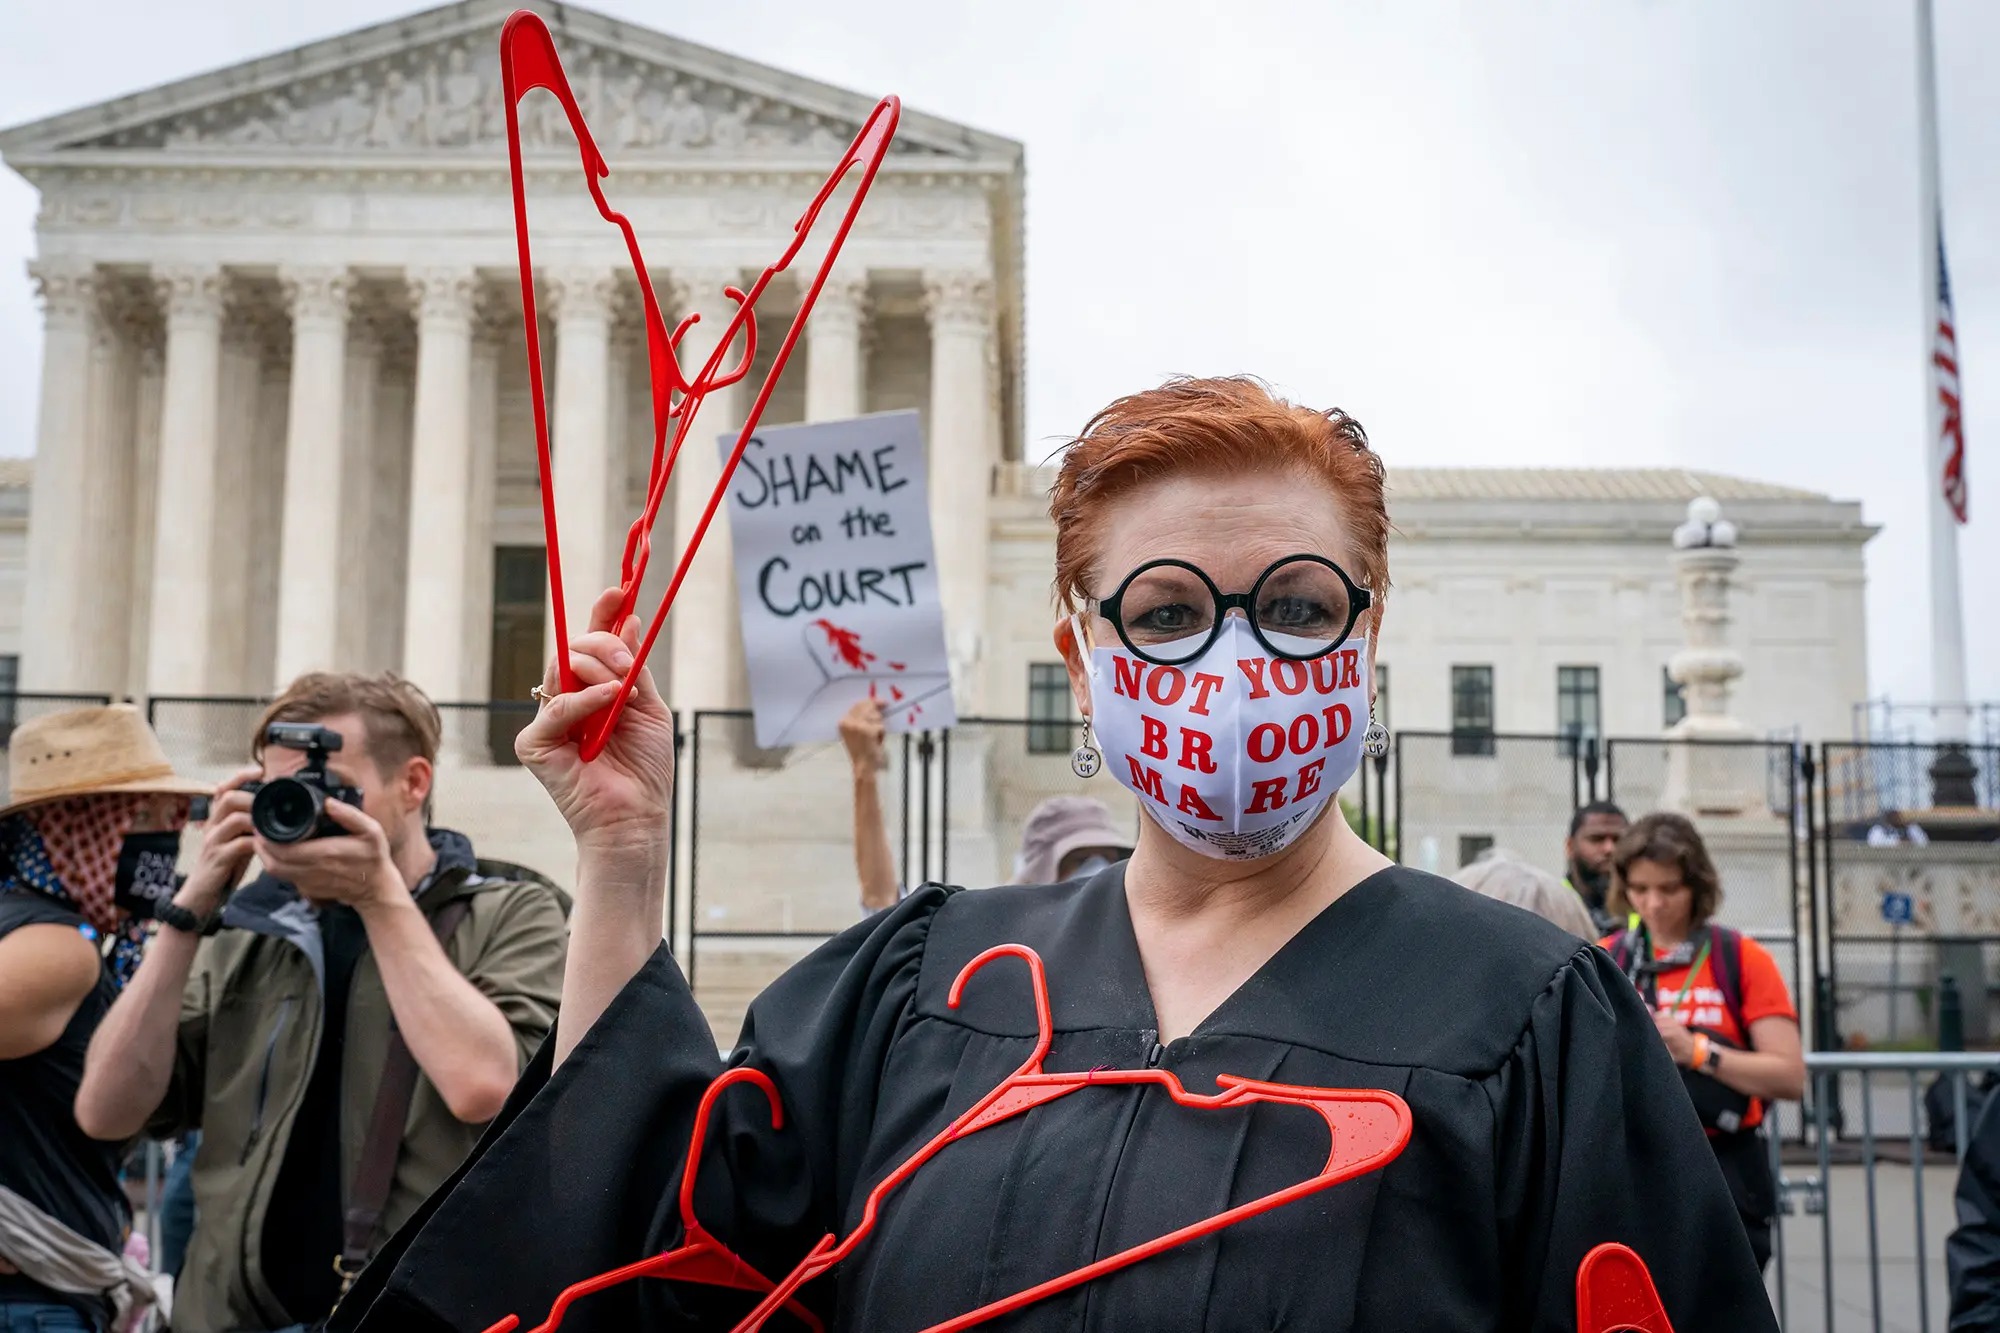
[1168, 612]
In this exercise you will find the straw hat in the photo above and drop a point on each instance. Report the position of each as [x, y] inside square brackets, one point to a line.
[87, 752]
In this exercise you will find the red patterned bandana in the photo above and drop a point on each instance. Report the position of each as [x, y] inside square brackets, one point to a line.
[84, 835]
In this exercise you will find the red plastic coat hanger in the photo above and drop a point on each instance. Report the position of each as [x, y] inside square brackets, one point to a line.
[700, 1257]
[528, 60]
[1368, 1127]
[1615, 1294]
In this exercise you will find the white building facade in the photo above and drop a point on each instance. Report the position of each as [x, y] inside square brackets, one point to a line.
[285, 424]
[1543, 601]
[284, 353]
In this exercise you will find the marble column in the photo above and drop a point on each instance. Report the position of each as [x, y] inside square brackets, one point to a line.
[144, 513]
[481, 494]
[267, 498]
[834, 349]
[107, 568]
[620, 438]
[177, 661]
[360, 439]
[309, 574]
[389, 517]
[440, 468]
[707, 639]
[960, 305]
[231, 554]
[581, 302]
[1707, 779]
[52, 623]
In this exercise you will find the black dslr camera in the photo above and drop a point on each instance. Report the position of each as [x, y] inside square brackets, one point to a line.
[292, 809]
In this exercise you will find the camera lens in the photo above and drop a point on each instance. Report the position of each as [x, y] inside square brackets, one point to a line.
[286, 810]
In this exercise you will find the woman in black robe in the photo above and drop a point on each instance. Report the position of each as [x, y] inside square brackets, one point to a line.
[1223, 555]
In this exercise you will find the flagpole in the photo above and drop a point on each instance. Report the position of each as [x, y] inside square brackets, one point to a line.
[1947, 627]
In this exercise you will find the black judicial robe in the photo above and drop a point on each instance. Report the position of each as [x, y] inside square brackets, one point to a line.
[1548, 1118]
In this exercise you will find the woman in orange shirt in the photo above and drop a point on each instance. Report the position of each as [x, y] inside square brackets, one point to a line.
[1718, 1000]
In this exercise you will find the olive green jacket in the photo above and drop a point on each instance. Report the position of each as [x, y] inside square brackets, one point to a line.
[249, 1033]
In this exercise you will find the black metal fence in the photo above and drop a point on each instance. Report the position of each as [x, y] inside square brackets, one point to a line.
[1871, 871]
[1909, 862]
[770, 843]
[204, 731]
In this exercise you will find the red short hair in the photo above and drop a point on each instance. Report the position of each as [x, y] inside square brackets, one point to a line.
[1224, 424]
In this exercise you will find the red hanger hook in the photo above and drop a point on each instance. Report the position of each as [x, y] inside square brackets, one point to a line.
[1368, 1128]
[1615, 1294]
[700, 1257]
[528, 60]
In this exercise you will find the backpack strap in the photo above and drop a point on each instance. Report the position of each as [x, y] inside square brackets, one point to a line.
[1726, 953]
[376, 1170]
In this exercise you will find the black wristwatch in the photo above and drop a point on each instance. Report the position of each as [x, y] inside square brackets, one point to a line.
[1714, 1061]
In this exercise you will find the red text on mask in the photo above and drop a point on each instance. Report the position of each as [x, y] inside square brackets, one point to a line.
[1323, 675]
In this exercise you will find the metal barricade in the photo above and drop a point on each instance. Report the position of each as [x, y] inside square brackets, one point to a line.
[1865, 1209]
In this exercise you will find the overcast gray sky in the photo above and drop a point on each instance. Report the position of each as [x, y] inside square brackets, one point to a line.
[1503, 232]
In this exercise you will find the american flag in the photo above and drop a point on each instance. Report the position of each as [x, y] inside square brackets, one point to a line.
[1944, 366]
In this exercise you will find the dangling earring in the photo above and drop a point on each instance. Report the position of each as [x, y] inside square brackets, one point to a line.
[1375, 740]
[1086, 761]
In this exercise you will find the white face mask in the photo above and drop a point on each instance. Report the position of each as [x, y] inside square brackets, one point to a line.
[1235, 753]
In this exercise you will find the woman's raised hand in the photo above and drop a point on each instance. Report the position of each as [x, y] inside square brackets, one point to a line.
[625, 795]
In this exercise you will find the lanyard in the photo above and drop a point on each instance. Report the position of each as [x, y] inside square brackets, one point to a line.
[1688, 982]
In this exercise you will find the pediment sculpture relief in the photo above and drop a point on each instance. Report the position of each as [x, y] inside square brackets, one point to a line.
[449, 98]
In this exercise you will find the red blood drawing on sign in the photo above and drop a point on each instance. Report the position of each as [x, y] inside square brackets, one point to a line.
[845, 644]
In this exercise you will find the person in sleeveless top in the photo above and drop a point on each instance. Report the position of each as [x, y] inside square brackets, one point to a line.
[94, 809]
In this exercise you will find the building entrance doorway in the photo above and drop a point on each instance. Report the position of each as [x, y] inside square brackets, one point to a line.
[520, 594]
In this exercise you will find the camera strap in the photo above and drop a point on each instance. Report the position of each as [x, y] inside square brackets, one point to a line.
[376, 1170]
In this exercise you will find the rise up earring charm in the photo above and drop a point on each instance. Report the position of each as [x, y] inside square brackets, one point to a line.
[1086, 761]
[1375, 740]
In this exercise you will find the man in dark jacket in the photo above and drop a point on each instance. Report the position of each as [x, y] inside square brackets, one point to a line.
[1972, 1255]
[272, 1035]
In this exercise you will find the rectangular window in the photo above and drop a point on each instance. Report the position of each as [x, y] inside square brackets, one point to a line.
[1051, 709]
[1472, 846]
[518, 643]
[1673, 699]
[1472, 710]
[1579, 708]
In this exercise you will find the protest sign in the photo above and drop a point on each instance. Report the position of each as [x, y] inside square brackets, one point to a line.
[836, 579]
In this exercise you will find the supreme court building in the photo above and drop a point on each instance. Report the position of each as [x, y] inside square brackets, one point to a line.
[285, 424]
[284, 418]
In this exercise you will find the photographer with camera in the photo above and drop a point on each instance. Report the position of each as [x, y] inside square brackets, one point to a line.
[340, 1027]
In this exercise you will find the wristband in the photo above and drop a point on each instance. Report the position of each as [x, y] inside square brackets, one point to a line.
[176, 917]
[1701, 1051]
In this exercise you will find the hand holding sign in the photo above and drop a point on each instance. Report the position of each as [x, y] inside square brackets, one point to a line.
[862, 732]
[838, 587]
